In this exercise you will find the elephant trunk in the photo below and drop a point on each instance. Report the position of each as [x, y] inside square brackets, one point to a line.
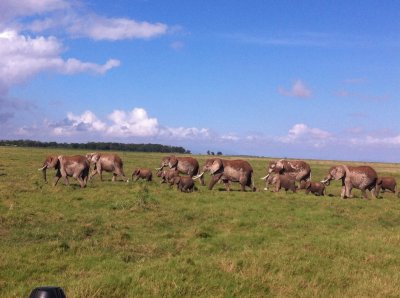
[43, 169]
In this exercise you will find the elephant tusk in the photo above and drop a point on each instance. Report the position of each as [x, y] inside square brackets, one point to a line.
[264, 178]
[198, 176]
[158, 169]
[42, 168]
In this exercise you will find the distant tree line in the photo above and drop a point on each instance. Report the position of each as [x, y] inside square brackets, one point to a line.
[97, 146]
[212, 153]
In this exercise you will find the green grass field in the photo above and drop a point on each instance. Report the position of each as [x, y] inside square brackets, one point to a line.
[144, 239]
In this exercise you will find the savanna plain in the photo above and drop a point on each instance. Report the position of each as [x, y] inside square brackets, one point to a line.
[145, 239]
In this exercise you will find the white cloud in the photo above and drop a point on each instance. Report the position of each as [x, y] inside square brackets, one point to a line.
[302, 133]
[22, 57]
[101, 28]
[122, 124]
[299, 89]
[378, 141]
[135, 123]
[230, 137]
[87, 122]
[12, 8]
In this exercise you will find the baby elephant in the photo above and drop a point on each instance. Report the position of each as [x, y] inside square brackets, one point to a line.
[167, 175]
[283, 181]
[388, 183]
[143, 173]
[184, 183]
[316, 188]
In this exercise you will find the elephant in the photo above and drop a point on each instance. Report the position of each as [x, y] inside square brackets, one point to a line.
[167, 175]
[229, 171]
[185, 165]
[67, 166]
[298, 169]
[360, 177]
[317, 188]
[387, 183]
[108, 162]
[285, 181]
[184, 183]
[142, 173]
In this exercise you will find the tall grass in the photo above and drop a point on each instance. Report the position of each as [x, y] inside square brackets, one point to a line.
[146, 239]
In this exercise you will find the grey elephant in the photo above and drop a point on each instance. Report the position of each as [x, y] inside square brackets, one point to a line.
[360, 177]
[106, 162]
[184, 183]
[185, 165]
[298, 169]
[317, 188]
[67, 166]
[387, 183]
[142, 173]
[167, 175]
[229, 171]
[284, 181]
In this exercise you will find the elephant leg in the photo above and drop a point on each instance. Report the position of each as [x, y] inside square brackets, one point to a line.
[81, 182]
[65, 177]
[214, 180]
[364, 193]
[277, 186]
[343, 192]
[373, 192]
[114, 177]
[66, 181]
[94, 172]
[243, 183]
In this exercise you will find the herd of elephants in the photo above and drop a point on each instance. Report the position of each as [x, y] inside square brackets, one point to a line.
[183, 171]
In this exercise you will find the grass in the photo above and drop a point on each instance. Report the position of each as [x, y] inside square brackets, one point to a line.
[145, 239]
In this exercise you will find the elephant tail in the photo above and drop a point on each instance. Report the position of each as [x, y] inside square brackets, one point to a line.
[253, 187]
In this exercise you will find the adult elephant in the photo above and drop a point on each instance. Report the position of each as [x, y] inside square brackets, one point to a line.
[108, 162]
[297, 169]
[229, 171]
[360, 177]
[67, 166]
[185, 165]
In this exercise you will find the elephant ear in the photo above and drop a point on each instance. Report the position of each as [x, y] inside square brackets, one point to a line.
[95, 157]
[216, 166]
[338, 172]
[173, 162]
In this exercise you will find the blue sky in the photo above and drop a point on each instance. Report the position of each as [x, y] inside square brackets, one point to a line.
[299, 79]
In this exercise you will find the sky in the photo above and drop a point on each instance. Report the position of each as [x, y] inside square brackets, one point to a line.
[297, 79]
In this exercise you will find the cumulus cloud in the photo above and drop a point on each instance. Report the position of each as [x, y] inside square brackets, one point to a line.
[26, 50]
[135, 123]
[22, 57]
[123, 124]
[299, 89]
[302, 133]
